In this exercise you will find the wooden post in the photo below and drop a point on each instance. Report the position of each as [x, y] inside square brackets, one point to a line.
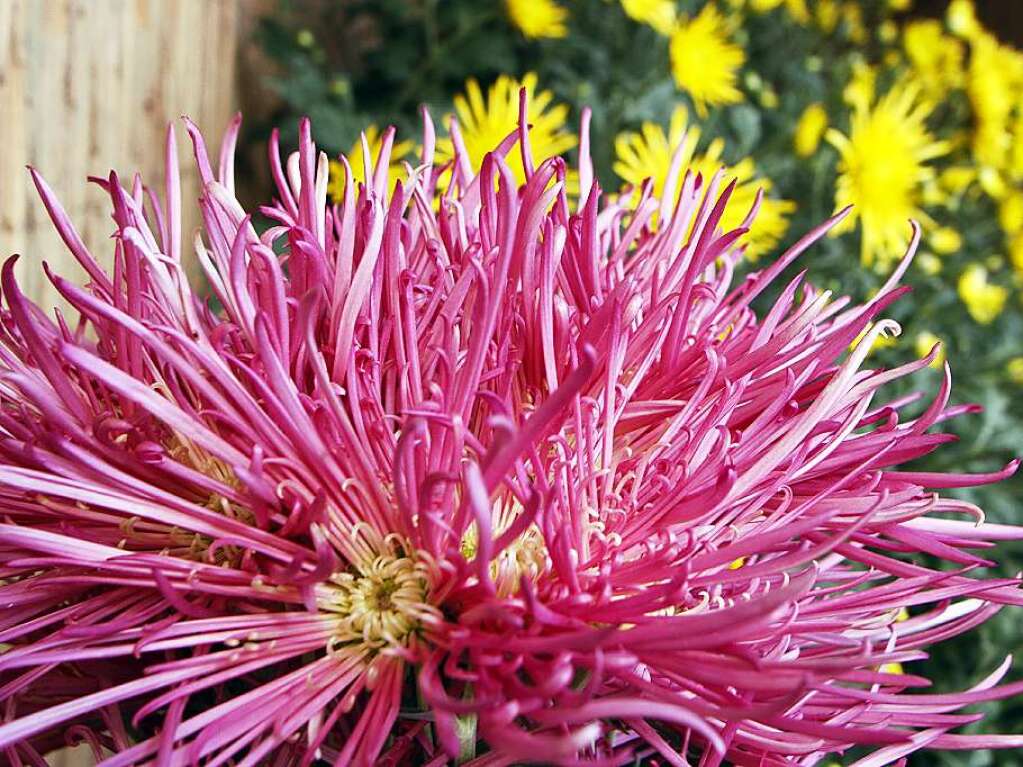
[89, 85]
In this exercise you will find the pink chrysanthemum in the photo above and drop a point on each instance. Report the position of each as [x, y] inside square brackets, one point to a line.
[468, 476]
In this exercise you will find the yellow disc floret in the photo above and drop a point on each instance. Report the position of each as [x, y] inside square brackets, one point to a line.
[382, 602]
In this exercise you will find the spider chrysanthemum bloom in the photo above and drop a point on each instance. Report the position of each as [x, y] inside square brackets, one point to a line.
[469, 475]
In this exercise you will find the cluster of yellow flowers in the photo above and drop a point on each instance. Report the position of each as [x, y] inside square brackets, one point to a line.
[484, 121]
[887, 158]
[891, 163]
[962, 56]
[705, 63]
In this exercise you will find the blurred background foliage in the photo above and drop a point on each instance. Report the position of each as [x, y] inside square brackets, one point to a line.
[904, 112]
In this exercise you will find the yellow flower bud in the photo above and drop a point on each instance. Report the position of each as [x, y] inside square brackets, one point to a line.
[992, 182]
[1015, 370]
[962, 18]
[888, 32]
[1016, 252]
[945, 240]
[810, 128]
[859, 91]
[957, 179]
[827, 15]
[925, 341]
[933, 194]
[881, 342]
[930, 263]
[1010, 212]
[853, 16]
[984, 301]
[659, 14]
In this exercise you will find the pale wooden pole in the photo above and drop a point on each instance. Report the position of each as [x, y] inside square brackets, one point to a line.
[89, 85]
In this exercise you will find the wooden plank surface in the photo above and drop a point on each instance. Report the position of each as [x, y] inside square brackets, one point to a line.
[89, 85]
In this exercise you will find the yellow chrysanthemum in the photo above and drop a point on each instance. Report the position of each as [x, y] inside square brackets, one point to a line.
[936, 58]
[659, 14]
[994, 82]
[1014, 368]
[485, 123]
[797, 8]
[928, 263]
[852, 16]
[984, 301]
[538, 18]
[810, 129]
[945, 240]
[888, 31]
[882, 168]
[925, 341]
[859, 91]
[827, 14]
[1016, 252]
[962, 18]
[648, 152]
[1010, 212]
[704, 60]
[903, 615]
[957, 179]
[1014, 160]
[881, 341]
[356, 159]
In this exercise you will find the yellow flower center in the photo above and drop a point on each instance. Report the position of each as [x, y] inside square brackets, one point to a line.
[382, 603]
[526, 555]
